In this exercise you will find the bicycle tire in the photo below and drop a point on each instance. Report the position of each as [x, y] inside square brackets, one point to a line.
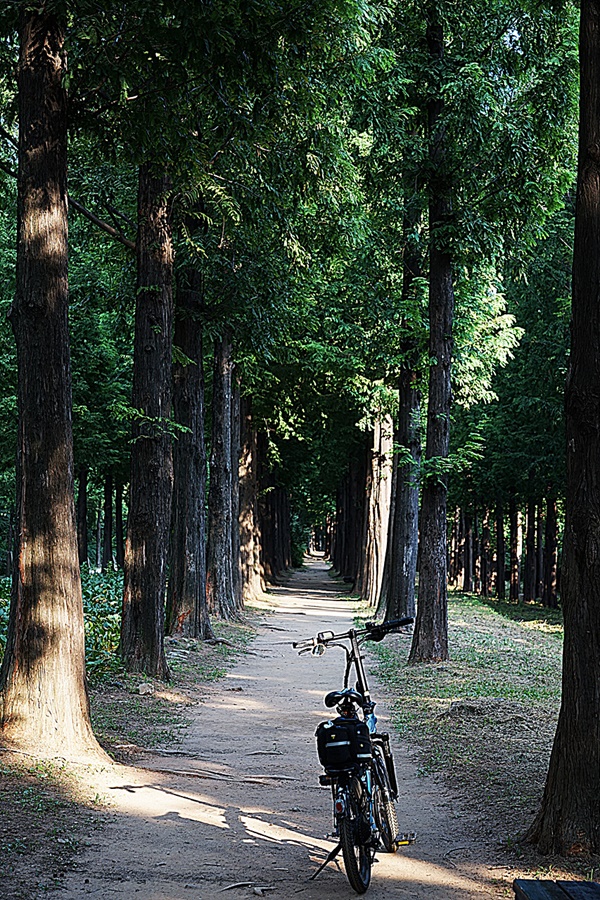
[384, 811]
[356, 851]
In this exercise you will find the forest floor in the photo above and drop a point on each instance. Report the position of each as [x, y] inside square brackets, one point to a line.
[225, 795]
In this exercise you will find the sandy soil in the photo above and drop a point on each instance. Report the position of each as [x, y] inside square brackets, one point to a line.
[241, 802]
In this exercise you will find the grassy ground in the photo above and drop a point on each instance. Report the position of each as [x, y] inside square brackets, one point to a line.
[484, 721]
[43, 813]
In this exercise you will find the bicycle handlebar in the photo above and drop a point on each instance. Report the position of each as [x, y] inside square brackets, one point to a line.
[372, 632]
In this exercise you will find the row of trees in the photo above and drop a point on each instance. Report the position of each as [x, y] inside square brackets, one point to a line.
[335, 207]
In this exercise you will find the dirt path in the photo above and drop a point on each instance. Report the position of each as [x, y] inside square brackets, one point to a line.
[257, 814]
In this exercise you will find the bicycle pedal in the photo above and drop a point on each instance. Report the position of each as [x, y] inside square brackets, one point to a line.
[403, 840]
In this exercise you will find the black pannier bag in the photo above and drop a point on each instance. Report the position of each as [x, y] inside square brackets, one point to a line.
[342, 744]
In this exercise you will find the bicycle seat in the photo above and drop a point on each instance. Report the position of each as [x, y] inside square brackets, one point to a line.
[333, 698]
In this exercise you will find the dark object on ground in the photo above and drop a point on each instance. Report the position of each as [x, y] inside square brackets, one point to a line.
[555, 890]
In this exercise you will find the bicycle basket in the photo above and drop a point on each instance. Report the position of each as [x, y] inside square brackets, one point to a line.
[343, 744]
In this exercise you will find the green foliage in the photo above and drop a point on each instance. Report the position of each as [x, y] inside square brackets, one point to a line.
[102, 601]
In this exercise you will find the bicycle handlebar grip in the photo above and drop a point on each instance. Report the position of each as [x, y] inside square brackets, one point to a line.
[303, 645]
[398, 623]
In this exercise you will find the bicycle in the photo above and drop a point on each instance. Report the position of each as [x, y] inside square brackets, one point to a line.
[358, 761]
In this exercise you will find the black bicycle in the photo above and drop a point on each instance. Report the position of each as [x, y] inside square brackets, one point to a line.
[358, 761]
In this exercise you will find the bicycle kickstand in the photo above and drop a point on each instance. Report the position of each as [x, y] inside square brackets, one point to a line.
[332, 855]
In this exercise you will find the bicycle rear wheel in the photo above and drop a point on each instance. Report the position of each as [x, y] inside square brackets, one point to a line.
[384, 811]
[355, 838]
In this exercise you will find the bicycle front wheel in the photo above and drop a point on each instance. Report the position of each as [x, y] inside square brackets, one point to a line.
[355, 838]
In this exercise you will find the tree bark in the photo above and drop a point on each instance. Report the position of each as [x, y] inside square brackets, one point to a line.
[119, 531]
[378, 511]
[236, 437]
[187, 611]
[569, 819]
[539, 554]
[515, 565]
[142, 627]
[44, 706]
[82, 514]
[219, 582]
[430, 639]
[398, 587]
[500, 553]
[249, 529]
[468, 554]
[549, 596]
[107, 539]
[486, 567]
[530, 556]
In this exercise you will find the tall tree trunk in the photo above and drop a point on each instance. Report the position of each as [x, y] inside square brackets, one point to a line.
[468, 554]
[530, 557]
[219, 582]
[539, 554]
[142, 627]
[44, 706]
[430, 639]
[249, 529]
[569, 819]
[82, 514]
[549, 597]
[515, 563]
[107, 551]
[236, 437]
[398, 592]
[378, 510]
[500, 553]
[99, 539]
[119, 532]
[187, 611]
[486, 567]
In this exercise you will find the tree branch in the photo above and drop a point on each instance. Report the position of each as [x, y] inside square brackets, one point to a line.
[101, 224]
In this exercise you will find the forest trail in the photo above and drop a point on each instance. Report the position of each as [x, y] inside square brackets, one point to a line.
[257, 814]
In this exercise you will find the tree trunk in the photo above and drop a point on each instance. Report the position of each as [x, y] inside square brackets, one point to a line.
[119, 532]
[249, 533]
[378, 511]
[569, 819]
[468, 554]
[486, 566]
[187, 611]
[219, 581]
[142, 627]
[539, 554]
[500, 553]
[530, 557]
[398, 590]
[107, 551]
[515, 567]
[82, 514]
[549, 596]
[236, 566]
[430, 639]
[99, 539]
[44, 706]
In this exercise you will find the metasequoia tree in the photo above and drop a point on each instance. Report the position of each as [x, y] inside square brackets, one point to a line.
[569, 819]
[187, 611]
[430, 640]
[44, 704]
[142, 626]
